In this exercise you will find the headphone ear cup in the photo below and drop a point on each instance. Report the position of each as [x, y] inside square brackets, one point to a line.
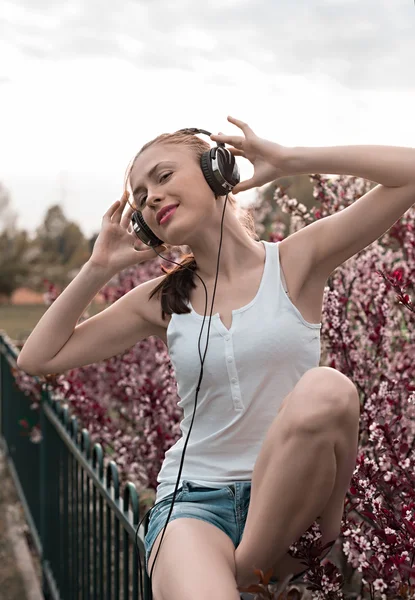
[206, 164]
[228, 166]
[143, 231]
[225, 175]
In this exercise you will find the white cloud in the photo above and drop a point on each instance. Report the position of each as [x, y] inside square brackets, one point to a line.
[191, 38]
[84, 85]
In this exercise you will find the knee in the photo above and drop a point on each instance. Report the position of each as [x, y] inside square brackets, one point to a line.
[324, 397]
[335, 392]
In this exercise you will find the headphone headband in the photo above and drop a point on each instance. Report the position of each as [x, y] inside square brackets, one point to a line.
[195, 130]
[221, 173]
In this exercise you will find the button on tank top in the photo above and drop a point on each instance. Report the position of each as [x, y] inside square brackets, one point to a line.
[248, 371]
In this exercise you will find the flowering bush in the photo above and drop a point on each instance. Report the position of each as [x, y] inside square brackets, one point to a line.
[368, 334]
[129, 402]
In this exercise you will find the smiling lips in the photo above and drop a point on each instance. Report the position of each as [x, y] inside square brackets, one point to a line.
[165, 213]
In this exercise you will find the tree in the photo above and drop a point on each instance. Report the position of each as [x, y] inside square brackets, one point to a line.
[8, 217]
[62, 247]
[13, 268]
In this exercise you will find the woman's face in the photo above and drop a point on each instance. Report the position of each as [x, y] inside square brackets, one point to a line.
[170, 174]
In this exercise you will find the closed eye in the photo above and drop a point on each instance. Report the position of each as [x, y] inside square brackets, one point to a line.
[165, 175]
[162, 178]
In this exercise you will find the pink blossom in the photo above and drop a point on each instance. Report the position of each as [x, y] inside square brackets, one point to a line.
[129, 403]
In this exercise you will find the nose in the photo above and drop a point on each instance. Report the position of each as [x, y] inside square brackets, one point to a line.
[154, 198]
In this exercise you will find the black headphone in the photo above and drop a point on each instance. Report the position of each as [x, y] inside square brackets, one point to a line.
[222, 174]
[220, 171]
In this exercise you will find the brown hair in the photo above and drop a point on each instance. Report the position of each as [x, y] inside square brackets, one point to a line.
[176, 286]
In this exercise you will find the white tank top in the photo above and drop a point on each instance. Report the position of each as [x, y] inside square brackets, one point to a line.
[248, 371]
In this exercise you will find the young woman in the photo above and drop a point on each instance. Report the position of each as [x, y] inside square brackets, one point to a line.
[274, 440]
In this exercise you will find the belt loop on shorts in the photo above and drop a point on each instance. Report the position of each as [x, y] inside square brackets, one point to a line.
[232, 488]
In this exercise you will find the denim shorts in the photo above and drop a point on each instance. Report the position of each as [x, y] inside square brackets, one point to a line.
[225, 507]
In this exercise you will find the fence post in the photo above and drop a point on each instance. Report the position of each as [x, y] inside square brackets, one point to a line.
[43, 533]
[51, 477]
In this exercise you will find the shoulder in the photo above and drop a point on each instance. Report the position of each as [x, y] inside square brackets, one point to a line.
[150, 308]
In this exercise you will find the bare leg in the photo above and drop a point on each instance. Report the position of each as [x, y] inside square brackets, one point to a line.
[196, 560]
[302, 472]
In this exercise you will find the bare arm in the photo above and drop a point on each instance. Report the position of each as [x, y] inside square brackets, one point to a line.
[58, 344]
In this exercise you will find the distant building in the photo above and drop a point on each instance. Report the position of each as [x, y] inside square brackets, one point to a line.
[27, 296]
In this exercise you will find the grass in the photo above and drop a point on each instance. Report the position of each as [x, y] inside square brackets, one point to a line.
[18, 321]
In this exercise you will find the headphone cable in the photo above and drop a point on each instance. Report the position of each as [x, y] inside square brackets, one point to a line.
[202, 360]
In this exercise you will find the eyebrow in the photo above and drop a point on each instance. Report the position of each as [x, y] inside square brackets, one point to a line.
[151, 173]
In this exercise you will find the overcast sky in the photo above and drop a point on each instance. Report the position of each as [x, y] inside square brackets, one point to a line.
[83, 85]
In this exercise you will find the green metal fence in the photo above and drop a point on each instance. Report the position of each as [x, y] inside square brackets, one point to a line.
[82, 524]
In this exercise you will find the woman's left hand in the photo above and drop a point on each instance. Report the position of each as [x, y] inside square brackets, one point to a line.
[268, 158]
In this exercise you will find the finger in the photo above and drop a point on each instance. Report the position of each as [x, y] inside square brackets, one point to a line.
[140, 245]
[151, 255]
[242, 125]
[126, 215]
[137, 243]
[244, 185]
[237, 152]
[143, 255]
[132, 206]
[116, 217]
[126, 219]
[114, 206]
[149, 252]
[232, 140]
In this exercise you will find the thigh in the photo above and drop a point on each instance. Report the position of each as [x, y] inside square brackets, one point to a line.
[196, 560]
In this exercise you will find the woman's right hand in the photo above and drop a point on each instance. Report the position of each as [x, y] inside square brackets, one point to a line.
[117, 245]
